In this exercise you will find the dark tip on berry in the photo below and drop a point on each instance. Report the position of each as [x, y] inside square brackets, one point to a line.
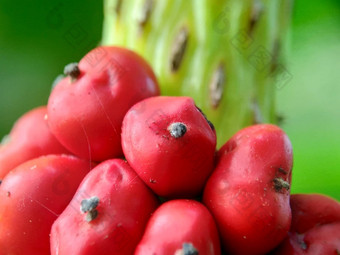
[0, 182]
[280, 184]
[89, 206]
[72, 70]
[91, 215]
[209, 122]
[177, 129]
[189, 249]
[303, 245]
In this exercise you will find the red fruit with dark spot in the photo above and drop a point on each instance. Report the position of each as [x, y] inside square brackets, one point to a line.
[107, 215]
[319, 240]
[248, 192]
[170, 144]
[323, 239]
[32, 196]
[315, 227]
[86, 109]
[29, 138]
[180, 227]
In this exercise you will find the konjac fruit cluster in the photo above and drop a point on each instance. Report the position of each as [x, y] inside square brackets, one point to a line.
[111, 167]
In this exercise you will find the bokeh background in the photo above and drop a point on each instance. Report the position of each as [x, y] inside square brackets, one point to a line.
[37, 39]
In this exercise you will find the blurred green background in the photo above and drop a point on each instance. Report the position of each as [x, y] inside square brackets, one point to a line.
[37, 38]
[311, 101]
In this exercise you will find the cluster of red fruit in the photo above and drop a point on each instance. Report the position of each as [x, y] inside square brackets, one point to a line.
[66, 188]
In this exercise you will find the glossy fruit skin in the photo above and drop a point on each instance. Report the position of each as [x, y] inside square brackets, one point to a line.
[176, 222]
[29, 138]
[315, 227]
[31, 198]
[251, 210]
[125, 205]
[309, 210]
[86, 113]
[170, 166]
[319, 240]
[293, 244]
[324, 239]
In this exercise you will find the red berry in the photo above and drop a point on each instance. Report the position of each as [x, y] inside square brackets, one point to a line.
[30, 138]
[180, 227]
[86, 109]
[31, 198]
[170, 144]
[319, 240]
[248, 193]
[107, 215]
[310, 212]
[324, 239]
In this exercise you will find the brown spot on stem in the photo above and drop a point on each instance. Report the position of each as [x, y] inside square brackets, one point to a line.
[118, 7]
[275, 56]
[178, 49]
[145, 14]
[257, 115]
[280, 119]
[216, 86]
[255, 15]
